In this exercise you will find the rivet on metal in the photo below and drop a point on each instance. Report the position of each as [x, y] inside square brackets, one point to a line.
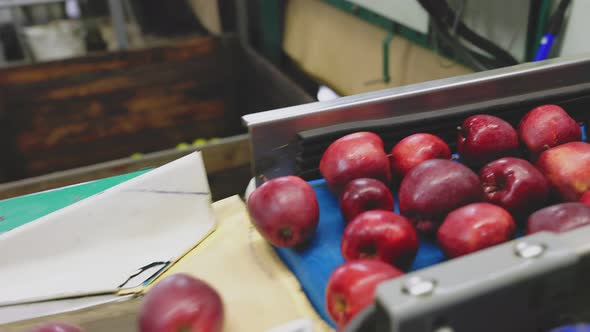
[419, 286]
[529, 250]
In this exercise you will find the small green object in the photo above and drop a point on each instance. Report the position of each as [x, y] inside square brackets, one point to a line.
[15, 212]
[182, 146]
[199, 141]
[137, 155]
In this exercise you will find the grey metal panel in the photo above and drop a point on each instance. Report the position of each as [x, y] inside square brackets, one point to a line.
[272, 133]
[118, 20]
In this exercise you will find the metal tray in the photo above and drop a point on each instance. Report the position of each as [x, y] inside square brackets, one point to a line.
[529, 284]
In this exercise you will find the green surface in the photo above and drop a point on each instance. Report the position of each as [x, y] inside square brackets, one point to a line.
[18, 211]
[272, 29]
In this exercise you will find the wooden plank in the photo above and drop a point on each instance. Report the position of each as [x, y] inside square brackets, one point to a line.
[111, 148]
[224, 155]
[149, 100]
[179, 50]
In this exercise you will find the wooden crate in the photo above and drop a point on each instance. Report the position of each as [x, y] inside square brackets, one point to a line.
[76, 112]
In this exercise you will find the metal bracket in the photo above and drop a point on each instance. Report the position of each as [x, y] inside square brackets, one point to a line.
[528, 284]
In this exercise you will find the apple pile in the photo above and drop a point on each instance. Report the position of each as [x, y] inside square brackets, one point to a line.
[535, 177]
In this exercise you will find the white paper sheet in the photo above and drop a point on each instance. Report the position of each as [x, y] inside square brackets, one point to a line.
[98, 243]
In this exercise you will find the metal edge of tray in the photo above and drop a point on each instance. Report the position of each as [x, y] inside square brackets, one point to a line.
[272, 133]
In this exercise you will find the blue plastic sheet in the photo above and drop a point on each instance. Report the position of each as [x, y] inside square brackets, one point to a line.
[313, 265]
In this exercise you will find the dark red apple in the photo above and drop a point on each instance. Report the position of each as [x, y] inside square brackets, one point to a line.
[285, 211]
[567, 168]
[351, 287]
[585, 199]
[483, 138]
[181, 303]
[381, 235]
[56, 327]
[357, 155]
[414, 149]
[474, 227]
[433, 189]
[362, 195]
[514, 184]
[559, 218]
[547, 126]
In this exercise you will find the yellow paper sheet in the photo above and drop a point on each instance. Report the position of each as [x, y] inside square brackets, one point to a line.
[258, 290]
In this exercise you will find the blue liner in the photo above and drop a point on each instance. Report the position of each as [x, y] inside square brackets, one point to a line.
[317, 261]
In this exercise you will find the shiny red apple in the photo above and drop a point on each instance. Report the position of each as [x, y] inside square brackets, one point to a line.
[585, 199]
[285, 211]
[474, 227]
[414, 149]
[514, 184]
[181, 303]
[362, 195]
[559, 218]
[433, 189]
[382, 235]
[547, 126]
[567, 168]
[357, 155]
[56, 327]
[483, 138]
[351, 287]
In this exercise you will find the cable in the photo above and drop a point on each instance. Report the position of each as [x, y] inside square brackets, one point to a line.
[441, 8]
[555, 24]
[459, 50]
[445, 18]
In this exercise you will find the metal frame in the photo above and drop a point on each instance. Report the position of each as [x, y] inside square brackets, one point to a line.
[115, 7]
[273, 133]
[18, 3]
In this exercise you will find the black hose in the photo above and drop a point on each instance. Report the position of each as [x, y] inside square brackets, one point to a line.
[441, 12]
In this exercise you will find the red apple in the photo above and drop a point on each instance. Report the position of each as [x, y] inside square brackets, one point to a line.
[362, 195]
[567, 168]
[585, 199]
[351, 287]
[414, 149]
[559, 218]
[285, 211]
[474, 227]
[483, 138]
[358, 155]
[547, 126]
[56, 327]
[514, 184]
[382, 235]
[433, 189]
[181, 303]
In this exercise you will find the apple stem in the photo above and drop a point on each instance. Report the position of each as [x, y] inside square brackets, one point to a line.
[263, 178]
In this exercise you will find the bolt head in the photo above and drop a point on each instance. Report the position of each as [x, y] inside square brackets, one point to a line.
[529, 250]
[419, 286]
